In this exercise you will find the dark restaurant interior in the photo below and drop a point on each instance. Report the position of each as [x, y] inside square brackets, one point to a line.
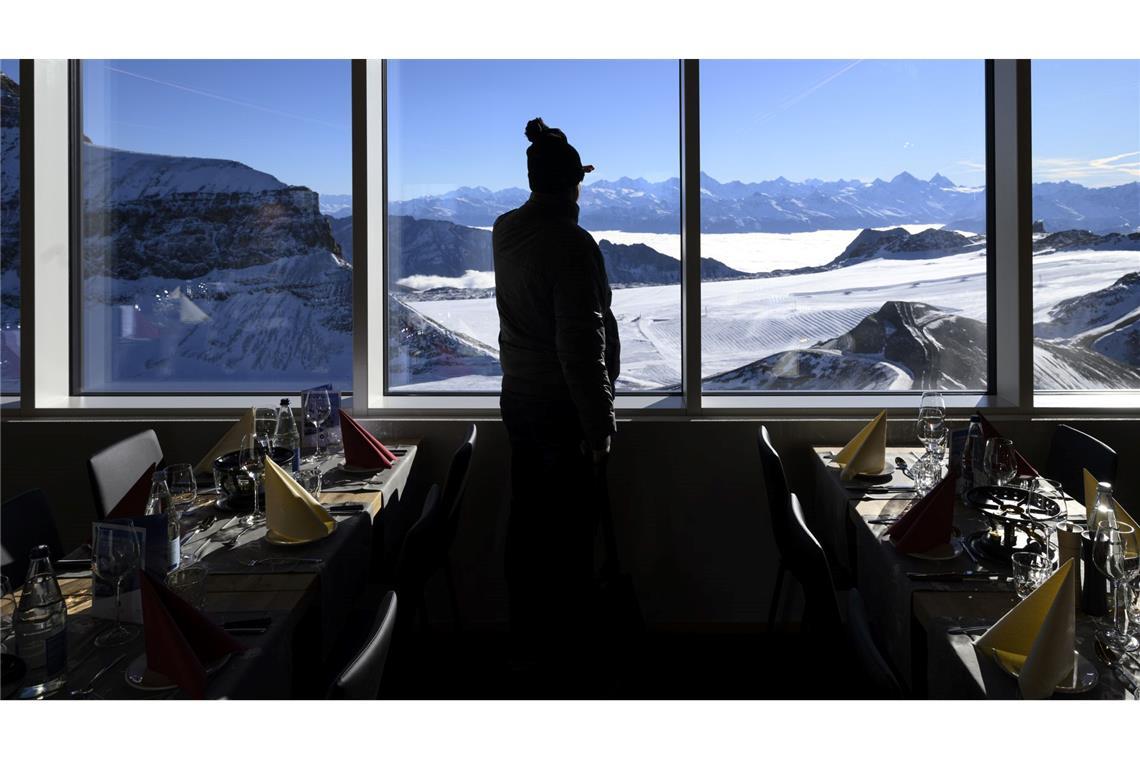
[549, 377]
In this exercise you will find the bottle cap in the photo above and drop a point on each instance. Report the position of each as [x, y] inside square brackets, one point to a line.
[1103, 487]
[284, 402]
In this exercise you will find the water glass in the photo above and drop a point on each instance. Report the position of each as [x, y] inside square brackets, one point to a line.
[183, 486]
[1030, 570]
[251, 459]
[189, 582]
[310, 479]
[317, 410]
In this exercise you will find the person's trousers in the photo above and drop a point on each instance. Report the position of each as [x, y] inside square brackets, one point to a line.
[553, 519]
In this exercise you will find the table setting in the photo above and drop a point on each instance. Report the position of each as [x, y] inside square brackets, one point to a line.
[192, 592]
[945, 546]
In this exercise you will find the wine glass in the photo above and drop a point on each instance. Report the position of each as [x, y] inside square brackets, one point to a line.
[264, 421]
[317, 409]
[1116, 553]
[999, 459]
[251, 459]
[183, 486]
[116, 556]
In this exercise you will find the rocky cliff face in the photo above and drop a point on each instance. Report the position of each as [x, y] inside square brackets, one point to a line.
[9, 233]
[638, 264]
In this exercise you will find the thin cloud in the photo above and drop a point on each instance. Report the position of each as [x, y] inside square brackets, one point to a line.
[224, 98]
[1102, 171]
[785, 105]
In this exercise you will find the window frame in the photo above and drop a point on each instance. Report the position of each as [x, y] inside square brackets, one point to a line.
[48, 345]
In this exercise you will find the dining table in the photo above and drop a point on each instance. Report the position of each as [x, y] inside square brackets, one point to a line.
[926, 626]
[288, 605]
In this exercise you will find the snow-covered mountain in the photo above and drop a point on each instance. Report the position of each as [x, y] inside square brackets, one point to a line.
[638, 264]
[9, 232]
[336, 206]
[199, 272]
[1106, 321]
[916, 346]
[780, 205]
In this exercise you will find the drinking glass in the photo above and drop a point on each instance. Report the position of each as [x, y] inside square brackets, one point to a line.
[7, 612]
[189, 582]
[317, 409]
[1030, 570]
[1000, 462]
[251, 459]
[264, 421]
[183, 486]
[116, 556]
[1116, 553]
[309, 478]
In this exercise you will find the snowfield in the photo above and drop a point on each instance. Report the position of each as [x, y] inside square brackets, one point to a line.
[746, 320]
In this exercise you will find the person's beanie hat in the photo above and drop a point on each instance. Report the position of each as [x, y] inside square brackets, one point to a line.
[552, 163]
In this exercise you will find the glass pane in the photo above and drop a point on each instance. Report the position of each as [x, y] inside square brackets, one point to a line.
[10, 227]
[1086, 234]
[457, 160]
[213, 192]
[843, 221]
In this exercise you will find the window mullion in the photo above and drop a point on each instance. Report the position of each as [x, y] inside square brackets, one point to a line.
[691, 236]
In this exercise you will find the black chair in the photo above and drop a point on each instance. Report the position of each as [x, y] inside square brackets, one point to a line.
[361, 678]
[118, 467]
[416, 563]
[1070, 451]
[779, 511]
[25, 523]
[837, 622]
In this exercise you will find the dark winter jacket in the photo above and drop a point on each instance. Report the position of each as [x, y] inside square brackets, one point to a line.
[557, 336]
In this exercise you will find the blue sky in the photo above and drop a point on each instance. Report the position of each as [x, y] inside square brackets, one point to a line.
[455, 123]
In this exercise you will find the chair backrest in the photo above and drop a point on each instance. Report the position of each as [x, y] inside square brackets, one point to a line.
[25, 523]
[118, 467]
[1070, 451]
[456, 484]
[361, 679]
[416, 562]
[876, 679]
[821, 613]
[776, 485]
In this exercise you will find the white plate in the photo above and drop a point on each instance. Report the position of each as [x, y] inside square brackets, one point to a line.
[1083, 677]
[888, 468]
[279, 540]
[138, 676]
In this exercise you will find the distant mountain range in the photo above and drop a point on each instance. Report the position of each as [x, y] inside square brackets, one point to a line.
[780, 205]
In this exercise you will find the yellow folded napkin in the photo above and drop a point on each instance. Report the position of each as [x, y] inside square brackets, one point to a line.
[867, 451]
[1090, 502]
[1035, 638]
[290, 511]
[231, 441]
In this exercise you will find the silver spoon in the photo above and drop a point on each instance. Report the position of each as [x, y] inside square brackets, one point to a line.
[90, 688]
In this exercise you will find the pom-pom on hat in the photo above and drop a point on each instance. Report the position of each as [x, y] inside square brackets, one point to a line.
[552, 163]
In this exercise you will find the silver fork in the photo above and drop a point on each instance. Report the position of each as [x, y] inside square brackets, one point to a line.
[90, 688]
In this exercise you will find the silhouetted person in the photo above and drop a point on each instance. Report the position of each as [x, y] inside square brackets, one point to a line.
[558, 345]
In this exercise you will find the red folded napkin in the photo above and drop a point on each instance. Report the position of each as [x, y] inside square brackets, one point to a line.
[1023, 466]
[929, 521]
[133, 503]
[361, 448]
[180, 641]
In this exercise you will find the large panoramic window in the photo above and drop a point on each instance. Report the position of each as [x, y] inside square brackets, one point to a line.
[10, 227]
[456, 159]
[213, 254]
[1086, 229]
[843, 225]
